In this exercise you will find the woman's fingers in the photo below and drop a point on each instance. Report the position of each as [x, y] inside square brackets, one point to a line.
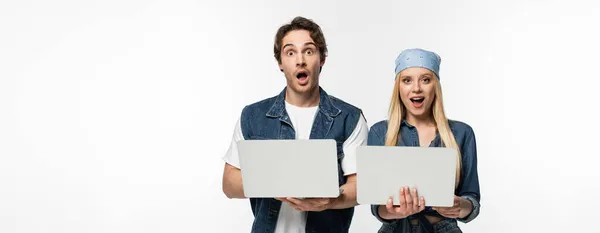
[415, 198]
[402, 198]
[390, 207]
[421, 204]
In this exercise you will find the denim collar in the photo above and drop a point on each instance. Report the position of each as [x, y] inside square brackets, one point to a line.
[404, 122]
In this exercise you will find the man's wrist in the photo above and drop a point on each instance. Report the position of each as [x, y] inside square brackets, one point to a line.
[335, 202]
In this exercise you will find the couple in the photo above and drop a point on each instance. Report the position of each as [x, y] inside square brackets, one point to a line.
[303, 110]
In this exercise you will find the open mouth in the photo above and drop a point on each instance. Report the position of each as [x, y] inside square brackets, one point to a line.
[302, 75]
[417, 100]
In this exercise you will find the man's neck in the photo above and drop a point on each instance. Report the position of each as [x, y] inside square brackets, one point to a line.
[304, 100]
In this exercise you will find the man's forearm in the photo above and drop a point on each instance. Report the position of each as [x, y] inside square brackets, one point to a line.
[232, 182]
[233, 190]
[348, 197]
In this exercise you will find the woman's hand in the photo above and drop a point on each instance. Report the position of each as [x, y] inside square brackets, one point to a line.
[461, 208]
[410, 203]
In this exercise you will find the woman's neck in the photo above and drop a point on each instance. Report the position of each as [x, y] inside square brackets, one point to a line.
[420, 121]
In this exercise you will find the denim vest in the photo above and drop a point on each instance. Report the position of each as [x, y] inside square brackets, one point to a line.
[268, 119]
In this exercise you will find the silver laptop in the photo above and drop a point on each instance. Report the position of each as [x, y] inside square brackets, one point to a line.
[383, 170]
[289, 168]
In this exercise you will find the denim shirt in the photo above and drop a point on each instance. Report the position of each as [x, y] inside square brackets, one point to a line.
[468, 186]
[268, 119]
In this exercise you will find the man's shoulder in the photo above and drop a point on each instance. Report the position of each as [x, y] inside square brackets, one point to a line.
[344, 106]
[260, 106]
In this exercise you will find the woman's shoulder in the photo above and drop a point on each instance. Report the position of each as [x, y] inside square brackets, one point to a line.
[459, 125]
[460, 128]
[380, 126]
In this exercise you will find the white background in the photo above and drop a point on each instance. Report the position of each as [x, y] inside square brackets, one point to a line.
[114, 115]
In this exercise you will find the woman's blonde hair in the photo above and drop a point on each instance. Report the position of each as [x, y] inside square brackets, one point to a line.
[397, 113]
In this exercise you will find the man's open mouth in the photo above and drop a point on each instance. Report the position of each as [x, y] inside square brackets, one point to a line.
[301, 75]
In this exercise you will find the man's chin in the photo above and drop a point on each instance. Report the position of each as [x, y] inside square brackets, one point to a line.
[303, 88]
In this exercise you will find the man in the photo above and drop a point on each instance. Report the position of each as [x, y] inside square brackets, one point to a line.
[303, 110]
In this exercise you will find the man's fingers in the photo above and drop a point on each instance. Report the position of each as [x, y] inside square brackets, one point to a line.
[309, 204]
[297, 207]
[282, 199]
[314, 201]
[294, 201]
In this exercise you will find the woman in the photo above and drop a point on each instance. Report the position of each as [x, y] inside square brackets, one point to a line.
[417, 118]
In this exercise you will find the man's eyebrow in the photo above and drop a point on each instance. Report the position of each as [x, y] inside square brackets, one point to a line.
[310, 43]
[305, 44]
[287, 45]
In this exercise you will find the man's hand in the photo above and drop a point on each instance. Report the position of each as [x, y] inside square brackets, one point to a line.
[461, 208]
[309, 204]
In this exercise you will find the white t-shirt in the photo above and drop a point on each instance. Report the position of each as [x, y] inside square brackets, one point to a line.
[290, 220]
